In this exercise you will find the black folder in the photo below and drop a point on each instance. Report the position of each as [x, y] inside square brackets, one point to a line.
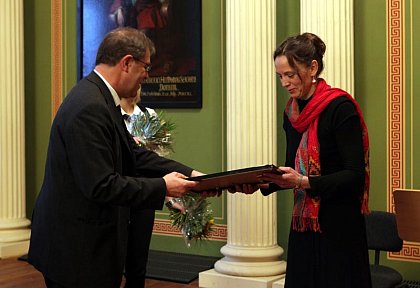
[223, 180]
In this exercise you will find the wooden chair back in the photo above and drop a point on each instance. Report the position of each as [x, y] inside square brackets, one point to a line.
[407, 210]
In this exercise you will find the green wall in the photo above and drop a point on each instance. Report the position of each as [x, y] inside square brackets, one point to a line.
[370, 89]
[37, 45]
[286, 25]
[199, 135]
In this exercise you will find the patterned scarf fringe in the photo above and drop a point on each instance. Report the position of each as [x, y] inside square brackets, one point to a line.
[365, 206]
[302, 224]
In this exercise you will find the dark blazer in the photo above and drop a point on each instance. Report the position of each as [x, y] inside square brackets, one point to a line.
[80, 219]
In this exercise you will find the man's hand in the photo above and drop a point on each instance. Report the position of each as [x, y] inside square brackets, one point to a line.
[209, 193]
[176, 185]
[173, 203]
[244, 188]
[196, 173]
[137, 140]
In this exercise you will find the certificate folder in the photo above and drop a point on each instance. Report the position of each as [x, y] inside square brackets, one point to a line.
[223, 180]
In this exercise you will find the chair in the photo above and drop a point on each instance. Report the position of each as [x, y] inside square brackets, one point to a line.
[407, 209]
[382, 235]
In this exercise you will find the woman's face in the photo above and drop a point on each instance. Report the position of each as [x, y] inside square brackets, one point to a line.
[298, 87]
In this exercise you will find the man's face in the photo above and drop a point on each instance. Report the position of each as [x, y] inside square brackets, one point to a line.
[138, 71]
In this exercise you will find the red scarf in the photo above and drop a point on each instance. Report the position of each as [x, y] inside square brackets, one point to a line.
[307, 161]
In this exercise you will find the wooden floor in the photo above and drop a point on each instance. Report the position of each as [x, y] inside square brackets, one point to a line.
[20, 274]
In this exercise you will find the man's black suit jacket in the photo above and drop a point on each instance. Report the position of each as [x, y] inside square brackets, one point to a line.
[92, 177]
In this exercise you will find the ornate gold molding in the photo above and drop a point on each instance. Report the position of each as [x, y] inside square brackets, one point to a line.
[395, 97]
[164, 227]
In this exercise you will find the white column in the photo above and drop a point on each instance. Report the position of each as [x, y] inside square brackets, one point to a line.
[333, 21]
[252, 255]
[14, 232]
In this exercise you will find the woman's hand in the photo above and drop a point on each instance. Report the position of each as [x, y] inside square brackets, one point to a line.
[244, 188]
[286, 177]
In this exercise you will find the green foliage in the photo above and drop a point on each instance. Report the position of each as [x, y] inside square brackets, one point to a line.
[153, 132]
[197, 221]
[156, 134]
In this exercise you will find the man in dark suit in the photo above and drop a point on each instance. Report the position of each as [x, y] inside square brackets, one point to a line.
[95, 172]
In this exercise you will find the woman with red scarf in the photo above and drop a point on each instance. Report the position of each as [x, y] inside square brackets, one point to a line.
[328, 169]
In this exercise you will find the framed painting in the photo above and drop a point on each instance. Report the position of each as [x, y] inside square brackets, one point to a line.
[174, 26]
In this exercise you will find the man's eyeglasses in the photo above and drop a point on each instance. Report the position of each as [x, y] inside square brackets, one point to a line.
[147, 66]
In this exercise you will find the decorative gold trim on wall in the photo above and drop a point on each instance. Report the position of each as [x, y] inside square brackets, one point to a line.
[56, 56]
[395, 97]
[164, 227]
[396, 115]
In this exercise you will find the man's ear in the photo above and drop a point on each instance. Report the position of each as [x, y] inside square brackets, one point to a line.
[125, 62]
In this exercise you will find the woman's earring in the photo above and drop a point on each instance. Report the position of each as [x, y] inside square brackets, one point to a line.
[313, 79]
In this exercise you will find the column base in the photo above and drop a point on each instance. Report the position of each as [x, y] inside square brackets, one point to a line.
[279, 284]
[212, 278]
[14, 243]
[251, 261]
[13, 249]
